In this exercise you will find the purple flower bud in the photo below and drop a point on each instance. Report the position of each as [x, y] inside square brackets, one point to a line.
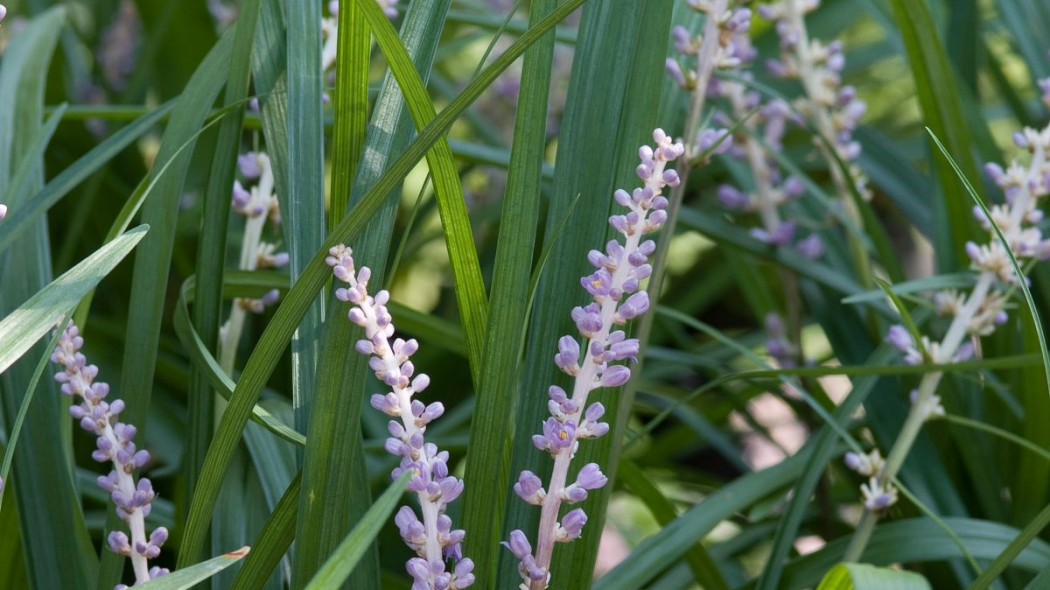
[732, 198]
[118, 543]
[675, 71]
[682, 39]
[518, 545]
[615, 376]
[241, 197]
[811, 248]
[572, 525]
[591, 477]
[899, 337]
[568, 355]
[249, 165]
[530, 488]
[463, 576]
[973, 251]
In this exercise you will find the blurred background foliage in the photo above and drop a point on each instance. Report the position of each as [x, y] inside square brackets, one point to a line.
[709, 441]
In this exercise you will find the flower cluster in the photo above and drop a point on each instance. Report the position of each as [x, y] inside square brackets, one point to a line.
[769, 122]
[432, 537]
[114, 444]
[878, 496]
[833, 108]
[615, 287]
[983, 309]
[723, 44]
[732, 48]
[257, 204]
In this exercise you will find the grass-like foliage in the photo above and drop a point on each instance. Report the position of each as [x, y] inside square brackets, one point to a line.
[567, 294]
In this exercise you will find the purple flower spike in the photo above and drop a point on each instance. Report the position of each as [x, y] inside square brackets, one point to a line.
[114, 444]
[434, 487]
[617, 297]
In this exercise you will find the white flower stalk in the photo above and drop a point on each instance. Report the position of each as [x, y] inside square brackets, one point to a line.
[432, 537]
[717, 46]
[115, 445]
[257, 205]
[771, 191]
[833, 108]
[982, 309]
[617, 298]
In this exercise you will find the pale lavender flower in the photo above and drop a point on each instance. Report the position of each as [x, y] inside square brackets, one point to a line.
[115, 444]
[981, 311]
[432, 538]
[615, 288]
[834, 109]
[3, 211]
[768, 121]
[3, 12]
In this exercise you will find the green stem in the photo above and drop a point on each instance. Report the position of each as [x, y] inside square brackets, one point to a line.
[901, 447]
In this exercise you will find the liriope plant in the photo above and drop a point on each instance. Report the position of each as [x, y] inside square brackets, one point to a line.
[691, 429]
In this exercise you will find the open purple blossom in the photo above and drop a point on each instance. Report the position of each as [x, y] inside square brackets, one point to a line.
[115, 444]
[617, 297]
[3, 12]
[432, 537]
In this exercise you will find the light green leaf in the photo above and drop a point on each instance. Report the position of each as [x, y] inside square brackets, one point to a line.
[27, 324]
[861, 576]
[342, 561]
[188, 577]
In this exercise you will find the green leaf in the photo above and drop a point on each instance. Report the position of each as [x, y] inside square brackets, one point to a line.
[273, 542]
[54, 539]
[705, 571]
[1023, 283]
[31, 320]
[338, 567]
[861, 576]
[666, 547]
[919, 540]
[334, 472]
[20, 218]
[294, 305]
[303, 199]
[959, 280]
[488, 464]
[190, 576]
[939, 98]
[207, 311]
[470, 290]
[204, 361]
[153, 258]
